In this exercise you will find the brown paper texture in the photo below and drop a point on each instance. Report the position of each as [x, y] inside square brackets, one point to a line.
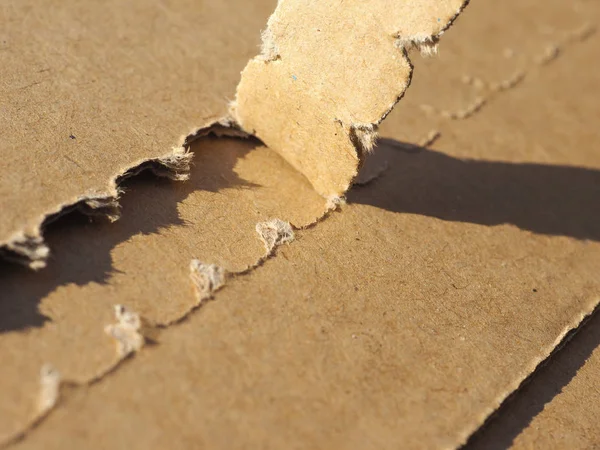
[403, 319]
[498, 57]
[234, 185]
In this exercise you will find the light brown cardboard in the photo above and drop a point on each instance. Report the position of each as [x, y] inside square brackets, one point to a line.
[351, 335]
[90, 91]
[328, 74]
[349, 338]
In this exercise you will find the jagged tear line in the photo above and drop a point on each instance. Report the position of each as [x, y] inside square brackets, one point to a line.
[148, 331]
[174, 168]
[64, 389]
[31, 250]
[228, 126]
[224, 127]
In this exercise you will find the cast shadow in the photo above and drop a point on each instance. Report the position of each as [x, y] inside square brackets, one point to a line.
[81, 245]
[554, 200]
[543, 199]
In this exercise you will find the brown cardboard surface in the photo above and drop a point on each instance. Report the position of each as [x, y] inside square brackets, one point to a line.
[558, 407]
[402, 320]
[349, 338]
[212, 217]
[497, 44]
[91, 90]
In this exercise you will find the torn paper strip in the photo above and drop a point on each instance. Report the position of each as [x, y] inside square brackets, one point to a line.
[206, 279]
[126, 332]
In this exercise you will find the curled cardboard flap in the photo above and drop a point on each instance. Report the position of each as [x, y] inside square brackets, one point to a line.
[328, 75]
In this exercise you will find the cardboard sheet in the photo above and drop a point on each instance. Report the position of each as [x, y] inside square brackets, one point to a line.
[403, 319]
[92, 90]
[350, 337]
[488, 56]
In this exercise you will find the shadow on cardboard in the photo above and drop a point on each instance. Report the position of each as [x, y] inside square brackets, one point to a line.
[543, 199]
[551, 200]
[81, 245]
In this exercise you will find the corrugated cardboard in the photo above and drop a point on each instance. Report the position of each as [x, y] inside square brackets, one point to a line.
[402, 320]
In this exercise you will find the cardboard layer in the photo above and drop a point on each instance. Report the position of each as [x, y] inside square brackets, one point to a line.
[570, 420]
[405, 319]
[558, 407]
[90, 91]
[329, 74]
[352, 337]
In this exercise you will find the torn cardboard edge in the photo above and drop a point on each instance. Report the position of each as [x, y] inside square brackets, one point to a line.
[50, 384]
[131, 331]
[126, 332]
[358, 138]
[207, 279]
[129, 335]
[28, 247]
[50, 379]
